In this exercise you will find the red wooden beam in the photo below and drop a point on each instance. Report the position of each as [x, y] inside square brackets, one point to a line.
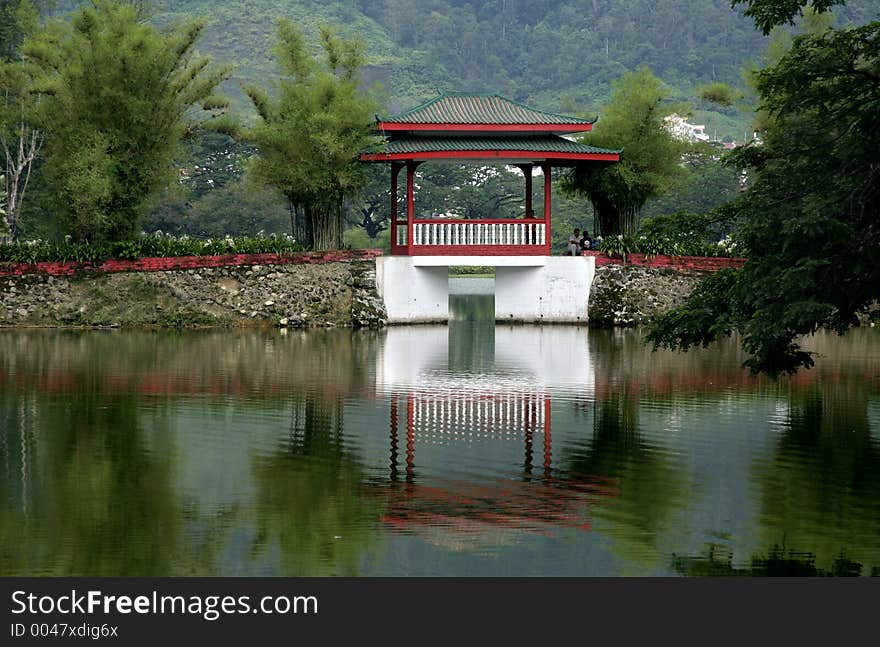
[479, 250]
[480, 221]
[491, 154]
[543, 128]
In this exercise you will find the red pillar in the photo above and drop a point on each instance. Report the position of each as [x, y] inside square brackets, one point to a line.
[548, 451]
[410, 205]
[547, 172]
[410, 439]
[395, 248]
[395, 169]
[393, 438]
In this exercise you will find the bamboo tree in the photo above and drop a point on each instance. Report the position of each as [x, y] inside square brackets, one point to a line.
[310, 131]
[118, 96]
[651, 160]
[20, 140]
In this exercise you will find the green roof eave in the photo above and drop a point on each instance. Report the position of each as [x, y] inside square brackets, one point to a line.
[544, 147]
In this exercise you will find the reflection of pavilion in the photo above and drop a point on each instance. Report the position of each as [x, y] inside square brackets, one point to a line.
[441, 417]
[505, 404]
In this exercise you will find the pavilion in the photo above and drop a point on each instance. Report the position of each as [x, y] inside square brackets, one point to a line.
[479, 128]
[482, 129]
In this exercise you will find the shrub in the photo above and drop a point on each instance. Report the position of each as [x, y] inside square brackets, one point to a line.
[158, 245]
[618, 246]
[680, 234]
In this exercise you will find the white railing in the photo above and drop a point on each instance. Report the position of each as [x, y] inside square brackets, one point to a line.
[504, 415]
[475, 233]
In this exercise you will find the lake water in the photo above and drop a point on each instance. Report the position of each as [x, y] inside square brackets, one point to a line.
[432, 450]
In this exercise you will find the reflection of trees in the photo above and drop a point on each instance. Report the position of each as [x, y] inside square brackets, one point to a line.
[310, 502]
[621, 358]
[257, 364]
[821, 489]
[95, 495]
[650, 486]
[778, 561]
[89, 464]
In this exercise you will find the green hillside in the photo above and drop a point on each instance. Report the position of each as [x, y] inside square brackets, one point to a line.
[556, 55]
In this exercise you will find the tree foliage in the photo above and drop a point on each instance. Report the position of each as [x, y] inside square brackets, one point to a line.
[117, 99]
[650, 163]
[810, 220]
[718, 93]
[20, 140]
[310, 132]
[18, 18]
[707, 184]
[768, 14]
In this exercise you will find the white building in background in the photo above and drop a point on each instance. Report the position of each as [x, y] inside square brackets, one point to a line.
[679, 127]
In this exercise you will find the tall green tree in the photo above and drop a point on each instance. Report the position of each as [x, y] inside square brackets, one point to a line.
[20, 140]
[650, 163]
[310, 131]
[811, 217]
[118, 97]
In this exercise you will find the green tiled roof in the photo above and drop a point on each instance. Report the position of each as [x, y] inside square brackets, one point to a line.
[467, 108]
[540, 143]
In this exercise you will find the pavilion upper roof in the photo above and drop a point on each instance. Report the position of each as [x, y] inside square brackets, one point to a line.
[473, 110]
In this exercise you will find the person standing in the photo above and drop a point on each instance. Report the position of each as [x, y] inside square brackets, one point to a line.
[574, 243]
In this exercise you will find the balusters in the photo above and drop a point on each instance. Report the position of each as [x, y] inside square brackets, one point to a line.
[463, 234]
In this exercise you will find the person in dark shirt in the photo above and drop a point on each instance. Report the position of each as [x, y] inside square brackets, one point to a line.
[586, 242]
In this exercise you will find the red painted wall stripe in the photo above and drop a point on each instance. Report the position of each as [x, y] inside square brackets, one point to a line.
[696, 263]
[186, 262]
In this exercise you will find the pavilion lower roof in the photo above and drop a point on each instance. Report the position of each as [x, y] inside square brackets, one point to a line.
[540, 147]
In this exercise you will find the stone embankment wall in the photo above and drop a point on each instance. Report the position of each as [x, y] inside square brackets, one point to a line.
[303, 290]
[332, 289]
[631, 293]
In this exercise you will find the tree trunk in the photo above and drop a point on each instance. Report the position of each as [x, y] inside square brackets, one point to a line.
[299, 228]
[606, 220]
[614, 220]
[19, 154]
[325, 221]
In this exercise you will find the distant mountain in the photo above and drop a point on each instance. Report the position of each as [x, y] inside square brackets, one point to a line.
[554, 55]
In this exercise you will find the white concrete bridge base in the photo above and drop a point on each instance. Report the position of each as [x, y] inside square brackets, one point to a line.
[529, 289]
